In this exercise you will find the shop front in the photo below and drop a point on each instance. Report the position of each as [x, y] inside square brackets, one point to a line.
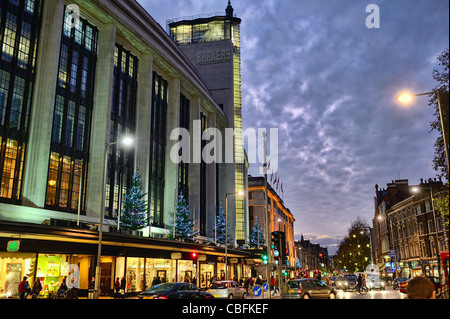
[71, 255]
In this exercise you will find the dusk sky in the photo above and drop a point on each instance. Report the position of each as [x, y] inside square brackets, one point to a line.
[314, 70]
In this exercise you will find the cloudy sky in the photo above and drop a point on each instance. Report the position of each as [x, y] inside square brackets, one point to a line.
[312, 69]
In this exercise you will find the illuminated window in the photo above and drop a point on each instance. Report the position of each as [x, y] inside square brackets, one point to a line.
[19, 31]
[69, 157]
[12, 154]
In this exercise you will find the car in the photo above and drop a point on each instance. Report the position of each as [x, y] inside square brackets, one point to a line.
[347, 282]
[308, 288]
[227, 289]
[175, 290]
[373, 281]
[402, 286]
[397, 281]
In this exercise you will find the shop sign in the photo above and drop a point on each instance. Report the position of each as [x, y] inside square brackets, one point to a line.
[233, 260]
[201, 257]
[175, 255]
[13, 246]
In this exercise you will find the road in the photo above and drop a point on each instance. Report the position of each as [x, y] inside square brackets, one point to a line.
[389, 293]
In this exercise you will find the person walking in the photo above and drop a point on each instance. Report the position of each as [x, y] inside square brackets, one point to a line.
[359, 285]
[123, 283]
[117, 289]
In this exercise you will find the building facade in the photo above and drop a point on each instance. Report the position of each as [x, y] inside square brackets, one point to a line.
[280, 217]
[311, 258]
[410, 233]
[76, 77]
[212, 43]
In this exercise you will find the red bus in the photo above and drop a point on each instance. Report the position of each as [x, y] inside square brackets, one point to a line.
[444, 264]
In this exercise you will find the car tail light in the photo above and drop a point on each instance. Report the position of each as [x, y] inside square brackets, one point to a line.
[299, 290]
[162, 297]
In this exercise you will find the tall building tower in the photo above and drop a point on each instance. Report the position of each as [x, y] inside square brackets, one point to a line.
[212, 44]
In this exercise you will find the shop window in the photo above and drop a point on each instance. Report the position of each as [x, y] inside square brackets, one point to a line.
[13, 266]
[135, 274]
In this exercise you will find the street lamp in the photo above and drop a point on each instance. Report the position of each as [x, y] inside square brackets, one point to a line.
[125, 141]
[240, 193]
[406, 98]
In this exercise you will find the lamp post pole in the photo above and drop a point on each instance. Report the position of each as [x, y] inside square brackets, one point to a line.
[267, 214]
[126, 141]
[226, 230]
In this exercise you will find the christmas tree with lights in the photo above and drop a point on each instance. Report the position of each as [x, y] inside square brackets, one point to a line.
[256, 238]
[219, 227]
[184, 223]
[135, 209]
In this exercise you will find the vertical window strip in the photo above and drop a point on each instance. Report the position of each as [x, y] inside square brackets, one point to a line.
[72, 115]
[157, 151]
[20, 24]
[123, 110]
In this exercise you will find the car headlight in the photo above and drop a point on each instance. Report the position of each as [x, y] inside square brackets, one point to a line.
[346, 283]
[382, 283]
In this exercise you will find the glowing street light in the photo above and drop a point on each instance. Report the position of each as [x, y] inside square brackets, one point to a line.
[406, 98]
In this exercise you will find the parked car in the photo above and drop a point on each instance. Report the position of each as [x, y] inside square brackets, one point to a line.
[308, 288]
[397, 281]
[175, 290]
[227, 289]
[373, 281]
[347, 282]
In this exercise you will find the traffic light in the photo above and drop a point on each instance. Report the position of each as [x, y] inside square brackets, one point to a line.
[265, 258]
[194, 256]
[275, 240]
[283, 247]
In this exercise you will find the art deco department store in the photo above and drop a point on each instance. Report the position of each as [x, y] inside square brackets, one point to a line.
[70, 87]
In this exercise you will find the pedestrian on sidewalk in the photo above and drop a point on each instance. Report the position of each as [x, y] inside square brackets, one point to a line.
[123, 283]
[117, 289]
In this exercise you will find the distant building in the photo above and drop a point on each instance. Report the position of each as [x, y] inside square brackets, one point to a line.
[311, 257]
[280, 217]
[409, 233]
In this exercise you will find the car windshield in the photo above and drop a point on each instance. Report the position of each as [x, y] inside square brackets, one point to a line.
[220, 285]
[160, 288]
[351, 278]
